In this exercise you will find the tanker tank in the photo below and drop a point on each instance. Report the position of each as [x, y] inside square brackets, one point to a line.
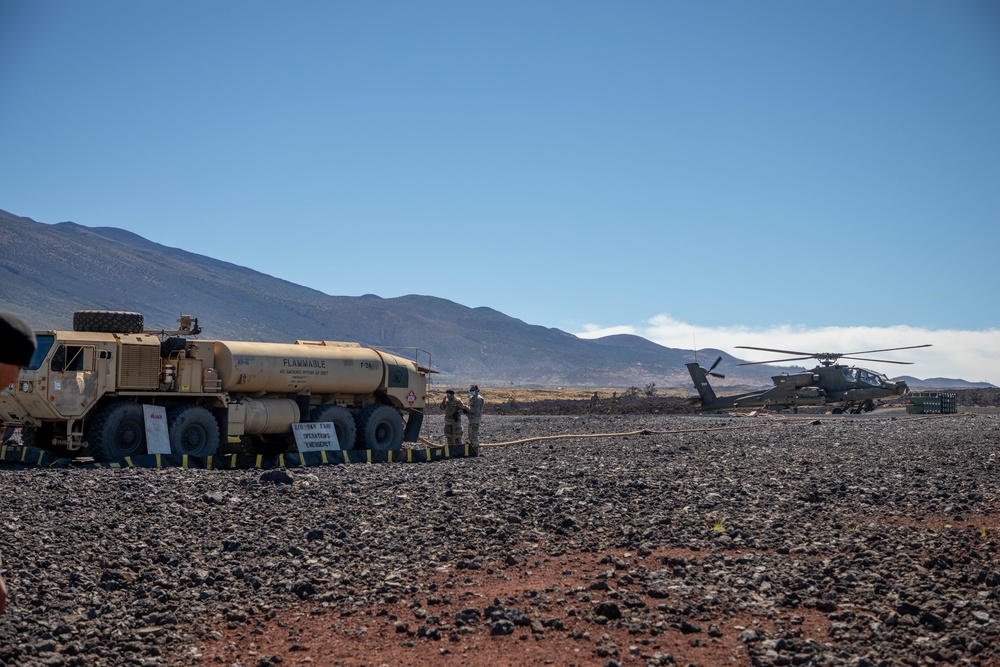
[291, 368]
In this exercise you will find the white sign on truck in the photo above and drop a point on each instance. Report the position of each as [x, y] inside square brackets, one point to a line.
[315, 436]
[157, 438]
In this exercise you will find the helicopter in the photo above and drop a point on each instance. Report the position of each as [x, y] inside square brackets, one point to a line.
[856, 389]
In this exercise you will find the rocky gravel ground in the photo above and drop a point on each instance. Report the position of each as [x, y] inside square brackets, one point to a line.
[868, 540]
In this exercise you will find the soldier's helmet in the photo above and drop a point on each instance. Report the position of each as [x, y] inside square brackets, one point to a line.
[450, 392]
[474, 387]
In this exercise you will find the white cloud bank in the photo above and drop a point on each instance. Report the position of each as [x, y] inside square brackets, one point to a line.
[967, 355]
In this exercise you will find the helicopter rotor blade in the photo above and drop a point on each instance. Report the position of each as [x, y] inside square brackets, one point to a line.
[808, 355]
[827, 357]
[888, 349]
[880, 361]
[718, 375]
[774, 361]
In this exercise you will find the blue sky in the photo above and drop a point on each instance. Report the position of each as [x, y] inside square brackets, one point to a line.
[801, 175]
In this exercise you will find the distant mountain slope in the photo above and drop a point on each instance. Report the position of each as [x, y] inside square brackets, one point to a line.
[942, 383]
[49, 271]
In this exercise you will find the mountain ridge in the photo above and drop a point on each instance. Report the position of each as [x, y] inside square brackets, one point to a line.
[942, 383]
[56, 269]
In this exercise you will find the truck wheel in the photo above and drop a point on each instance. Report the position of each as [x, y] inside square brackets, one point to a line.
[381, 428]
[343, 423]
[117, 431]
[193, 431]
[107, 321]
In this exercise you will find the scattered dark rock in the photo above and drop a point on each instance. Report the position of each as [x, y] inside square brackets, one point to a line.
[853, 523]
[608, 610]
[279, 476]
[502, 627]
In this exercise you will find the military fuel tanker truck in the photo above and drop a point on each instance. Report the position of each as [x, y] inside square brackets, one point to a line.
[86, 388]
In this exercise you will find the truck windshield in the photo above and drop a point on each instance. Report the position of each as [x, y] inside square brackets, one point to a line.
[45, 342]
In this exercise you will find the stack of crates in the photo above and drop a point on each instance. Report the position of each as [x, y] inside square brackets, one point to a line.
[931, 403]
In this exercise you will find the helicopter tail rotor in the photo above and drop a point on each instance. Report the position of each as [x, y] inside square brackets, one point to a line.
[715, 375]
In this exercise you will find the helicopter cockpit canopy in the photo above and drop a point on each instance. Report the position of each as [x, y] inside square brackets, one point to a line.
[870, 378]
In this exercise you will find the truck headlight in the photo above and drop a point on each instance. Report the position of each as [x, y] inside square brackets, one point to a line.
[26, 387]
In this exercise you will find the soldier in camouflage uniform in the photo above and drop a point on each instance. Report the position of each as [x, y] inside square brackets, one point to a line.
[453, 409]
[475, 413]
